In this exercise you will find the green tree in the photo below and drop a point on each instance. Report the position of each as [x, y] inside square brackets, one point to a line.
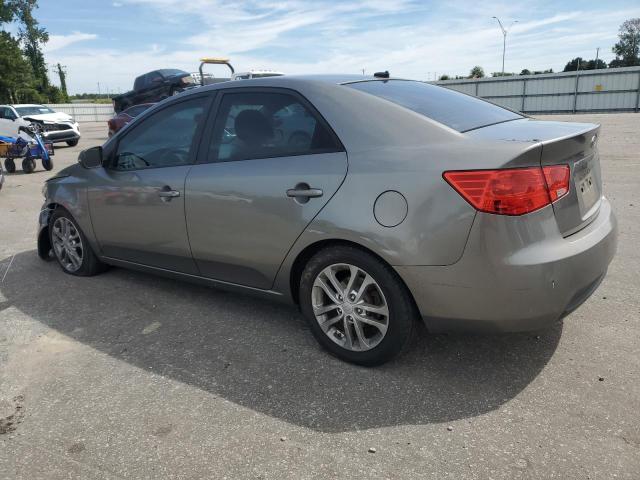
[16, 81]
[525, 71]
[444, 77]
[63, 82]
[7, 11]
[627, 49]
[582, 64]
[575, 64]
[33, 36]
[23, 71]
[476, 72]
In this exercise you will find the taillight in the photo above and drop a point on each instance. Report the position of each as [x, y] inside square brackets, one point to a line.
[557, 177]
[513, 191]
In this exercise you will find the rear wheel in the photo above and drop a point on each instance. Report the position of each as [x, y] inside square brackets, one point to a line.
[73, 143]
[356, 305]
[28, 165]
[10, 165]
[71, 248]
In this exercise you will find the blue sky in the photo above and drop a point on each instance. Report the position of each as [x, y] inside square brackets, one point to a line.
[112, 41]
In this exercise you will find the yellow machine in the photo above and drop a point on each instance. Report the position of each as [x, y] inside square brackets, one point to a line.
[213, 61]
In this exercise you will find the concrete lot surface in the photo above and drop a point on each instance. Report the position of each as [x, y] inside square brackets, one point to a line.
[126, 375]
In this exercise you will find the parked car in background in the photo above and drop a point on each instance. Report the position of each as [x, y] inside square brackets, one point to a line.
[153, 87]
[121, 119]
[57, 127]
[369, 202]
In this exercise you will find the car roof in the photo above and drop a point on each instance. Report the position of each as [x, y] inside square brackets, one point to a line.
[27, 105]
[292, 81]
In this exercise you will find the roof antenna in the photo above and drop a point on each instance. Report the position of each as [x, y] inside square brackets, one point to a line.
[384, 74]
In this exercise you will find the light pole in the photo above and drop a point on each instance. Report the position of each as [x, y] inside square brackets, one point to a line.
[504, 38]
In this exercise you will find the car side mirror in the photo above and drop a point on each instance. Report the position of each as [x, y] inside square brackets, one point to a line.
[91, 157]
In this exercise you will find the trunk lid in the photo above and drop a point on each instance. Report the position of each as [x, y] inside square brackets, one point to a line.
[579, 150]
[573, 144]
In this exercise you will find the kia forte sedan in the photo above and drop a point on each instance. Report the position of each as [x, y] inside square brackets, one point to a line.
[371, 203]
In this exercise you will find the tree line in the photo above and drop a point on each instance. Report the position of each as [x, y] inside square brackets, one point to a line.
[627, 51]
[23, 70]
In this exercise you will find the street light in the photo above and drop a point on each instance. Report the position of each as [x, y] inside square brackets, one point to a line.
[504, 38]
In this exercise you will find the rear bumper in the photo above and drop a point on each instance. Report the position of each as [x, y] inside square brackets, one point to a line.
[516, 274]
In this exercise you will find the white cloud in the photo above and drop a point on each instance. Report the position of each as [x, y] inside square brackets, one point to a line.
[411, 39]
[57, 42]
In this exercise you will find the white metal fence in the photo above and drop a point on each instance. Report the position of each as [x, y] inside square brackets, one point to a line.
[610, 90]
[85, 112]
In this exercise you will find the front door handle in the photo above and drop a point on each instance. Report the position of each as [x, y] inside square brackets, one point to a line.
[304, 192]
[166, 194]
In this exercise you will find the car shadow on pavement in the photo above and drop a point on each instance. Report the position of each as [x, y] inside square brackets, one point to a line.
[261, 355]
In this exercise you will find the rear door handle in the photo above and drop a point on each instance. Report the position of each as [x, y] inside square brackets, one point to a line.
[304, 192]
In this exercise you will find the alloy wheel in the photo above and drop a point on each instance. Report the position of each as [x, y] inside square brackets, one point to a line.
[67, 244]
[350, 307]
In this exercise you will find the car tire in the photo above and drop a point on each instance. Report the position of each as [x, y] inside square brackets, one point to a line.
[84, 263]
[337, 320]
[10, 165]
[72, 143]
[28, 165]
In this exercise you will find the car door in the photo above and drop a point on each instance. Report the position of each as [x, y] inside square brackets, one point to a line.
[137, 200]
[8, 123]
[273, 163]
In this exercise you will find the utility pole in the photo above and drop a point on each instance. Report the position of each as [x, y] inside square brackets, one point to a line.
[504, 39]
[597, 54]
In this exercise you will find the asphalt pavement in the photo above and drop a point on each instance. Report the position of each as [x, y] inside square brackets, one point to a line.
[127, 375]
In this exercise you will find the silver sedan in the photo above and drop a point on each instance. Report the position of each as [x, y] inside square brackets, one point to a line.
[371, 203]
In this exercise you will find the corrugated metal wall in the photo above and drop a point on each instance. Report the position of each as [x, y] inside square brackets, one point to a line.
[85, 112]
[610, 90]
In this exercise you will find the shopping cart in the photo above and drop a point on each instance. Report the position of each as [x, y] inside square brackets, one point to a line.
[29, 149]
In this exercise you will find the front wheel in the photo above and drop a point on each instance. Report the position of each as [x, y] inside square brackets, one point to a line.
[72, 143]
[356, 305]
[47, 164]
[71, 247]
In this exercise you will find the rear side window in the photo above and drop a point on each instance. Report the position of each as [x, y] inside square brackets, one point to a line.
[266, 125]
[453, 109]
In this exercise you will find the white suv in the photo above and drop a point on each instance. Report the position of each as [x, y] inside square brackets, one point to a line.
[57, 126]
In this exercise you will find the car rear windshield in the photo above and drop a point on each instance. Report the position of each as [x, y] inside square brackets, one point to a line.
[453, 109]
